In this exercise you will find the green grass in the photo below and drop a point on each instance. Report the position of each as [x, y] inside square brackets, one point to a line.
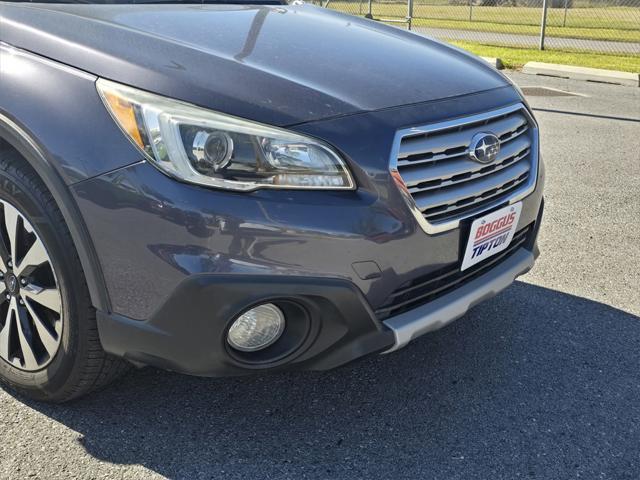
[560, 32]
[517, 57]
[605, 23]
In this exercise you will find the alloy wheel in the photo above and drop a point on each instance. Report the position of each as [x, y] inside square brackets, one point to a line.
[30, 299]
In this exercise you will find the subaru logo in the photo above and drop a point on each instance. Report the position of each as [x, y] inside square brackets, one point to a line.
[484, 147]
[12, 283]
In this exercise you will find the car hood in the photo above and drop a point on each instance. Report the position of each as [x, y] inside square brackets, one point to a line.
[275, 64]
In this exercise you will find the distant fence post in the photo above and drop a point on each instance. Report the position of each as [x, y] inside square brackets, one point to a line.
[409, 13]
[471, 10]
[564, 20]
[543, 23]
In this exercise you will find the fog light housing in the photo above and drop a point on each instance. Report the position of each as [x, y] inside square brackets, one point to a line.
[256, 329]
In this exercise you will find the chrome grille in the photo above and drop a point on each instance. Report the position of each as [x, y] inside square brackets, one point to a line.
[444, 185]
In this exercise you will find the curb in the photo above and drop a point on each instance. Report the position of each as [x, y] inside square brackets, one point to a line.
[494, 62]
[583, 73]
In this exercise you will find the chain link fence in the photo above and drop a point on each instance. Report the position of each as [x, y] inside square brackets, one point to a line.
[604, 26]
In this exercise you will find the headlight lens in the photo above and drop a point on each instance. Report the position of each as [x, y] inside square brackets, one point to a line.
[217, 150]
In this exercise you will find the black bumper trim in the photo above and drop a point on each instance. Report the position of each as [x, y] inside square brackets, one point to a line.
[187, 334]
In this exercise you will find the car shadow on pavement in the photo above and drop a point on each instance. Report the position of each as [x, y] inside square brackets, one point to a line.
[534, 383]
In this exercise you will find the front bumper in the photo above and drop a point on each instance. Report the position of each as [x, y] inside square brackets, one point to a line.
[187, 334]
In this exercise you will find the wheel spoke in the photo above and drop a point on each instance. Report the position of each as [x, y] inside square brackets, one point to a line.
[11, 217]
[4, 253]
[25, 336]
[5, 333]
[4, 256]
[48, 340]
[36, 256]
[47, 297]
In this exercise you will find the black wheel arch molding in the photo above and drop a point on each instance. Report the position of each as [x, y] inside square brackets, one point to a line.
[18, 139]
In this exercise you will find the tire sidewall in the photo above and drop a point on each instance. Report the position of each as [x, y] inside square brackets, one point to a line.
[19, 192]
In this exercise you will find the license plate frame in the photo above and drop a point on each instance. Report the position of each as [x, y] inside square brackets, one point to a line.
[490, 234]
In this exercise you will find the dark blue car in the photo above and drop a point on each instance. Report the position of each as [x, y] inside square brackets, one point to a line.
[222, 188]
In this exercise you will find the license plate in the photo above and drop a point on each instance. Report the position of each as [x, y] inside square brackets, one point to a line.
[491, 234]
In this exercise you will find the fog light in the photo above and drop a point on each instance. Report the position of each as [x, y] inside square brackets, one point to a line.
[257, 328]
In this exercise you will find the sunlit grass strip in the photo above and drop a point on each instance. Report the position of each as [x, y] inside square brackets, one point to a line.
[517, 57]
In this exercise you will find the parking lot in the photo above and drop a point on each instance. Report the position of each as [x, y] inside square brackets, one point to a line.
[542, 381]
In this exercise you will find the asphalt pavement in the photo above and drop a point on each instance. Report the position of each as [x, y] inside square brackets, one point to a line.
[540, 382]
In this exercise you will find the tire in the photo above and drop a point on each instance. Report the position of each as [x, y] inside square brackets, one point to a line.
[49, 345]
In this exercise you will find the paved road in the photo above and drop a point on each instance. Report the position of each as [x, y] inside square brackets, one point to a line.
[541, 382]
[605, 46]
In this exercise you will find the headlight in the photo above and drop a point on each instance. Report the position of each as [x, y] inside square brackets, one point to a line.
[207, 148]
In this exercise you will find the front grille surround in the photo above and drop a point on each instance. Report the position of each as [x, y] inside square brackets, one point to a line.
[456, 188]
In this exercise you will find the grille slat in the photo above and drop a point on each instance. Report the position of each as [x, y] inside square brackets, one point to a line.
[446, 184]
[471, 189]
[478, 203]
[458, 137]
[413, 177]
[464, 177]
[429, 159]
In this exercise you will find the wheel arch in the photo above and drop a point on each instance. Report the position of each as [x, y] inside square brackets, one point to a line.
[18, 139]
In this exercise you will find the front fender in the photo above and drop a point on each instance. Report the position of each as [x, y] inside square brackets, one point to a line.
[52, 115]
